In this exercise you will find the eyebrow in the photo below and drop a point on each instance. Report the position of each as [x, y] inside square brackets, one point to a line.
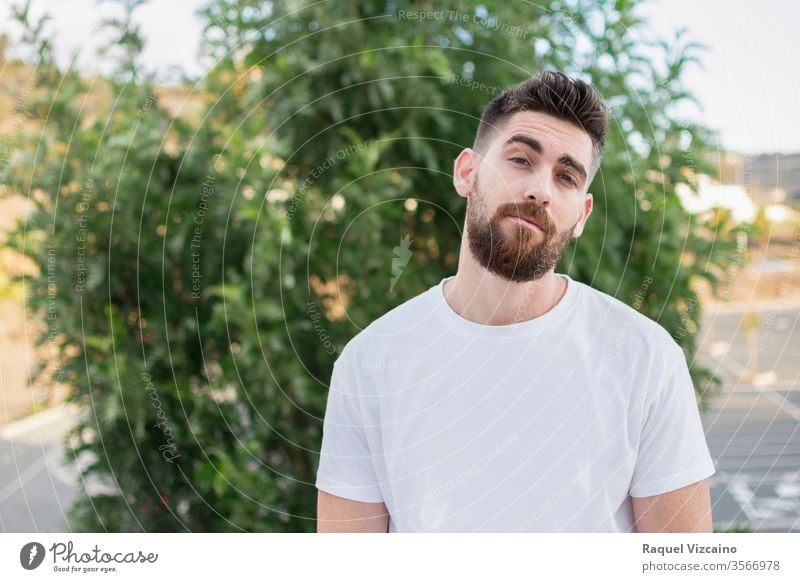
[534, 144]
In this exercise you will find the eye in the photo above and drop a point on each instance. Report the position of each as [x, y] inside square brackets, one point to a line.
[518, 161]
[569, 180]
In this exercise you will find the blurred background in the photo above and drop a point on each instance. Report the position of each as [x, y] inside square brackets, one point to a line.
[201, 202]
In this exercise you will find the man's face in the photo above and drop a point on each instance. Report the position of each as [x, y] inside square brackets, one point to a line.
[535, 170]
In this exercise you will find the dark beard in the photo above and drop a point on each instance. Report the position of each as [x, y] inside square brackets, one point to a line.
[511, 251]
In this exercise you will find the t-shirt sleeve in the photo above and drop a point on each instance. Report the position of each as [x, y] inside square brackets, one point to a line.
[346, 465]
[673, 452]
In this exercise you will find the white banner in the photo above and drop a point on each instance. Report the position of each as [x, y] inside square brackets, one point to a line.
[503, 557]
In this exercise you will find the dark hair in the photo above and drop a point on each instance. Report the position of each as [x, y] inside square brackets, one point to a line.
[555, 94]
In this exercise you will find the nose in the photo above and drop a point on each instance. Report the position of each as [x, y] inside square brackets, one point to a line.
[539, 192]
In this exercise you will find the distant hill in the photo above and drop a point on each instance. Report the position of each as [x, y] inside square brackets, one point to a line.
[16, 79]
[770, 171]
[761, 175]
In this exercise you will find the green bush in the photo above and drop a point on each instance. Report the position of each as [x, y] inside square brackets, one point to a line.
[199, 277]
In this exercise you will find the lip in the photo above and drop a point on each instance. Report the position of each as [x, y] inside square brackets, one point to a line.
[529, 222]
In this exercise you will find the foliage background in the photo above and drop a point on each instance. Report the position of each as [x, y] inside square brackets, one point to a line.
[198, 274]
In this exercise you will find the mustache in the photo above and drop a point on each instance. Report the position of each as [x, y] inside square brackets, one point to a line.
[531, 211]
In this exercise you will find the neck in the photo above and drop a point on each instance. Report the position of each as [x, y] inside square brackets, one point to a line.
[485, 298]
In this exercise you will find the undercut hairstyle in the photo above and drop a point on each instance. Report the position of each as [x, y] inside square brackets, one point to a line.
[554, 94]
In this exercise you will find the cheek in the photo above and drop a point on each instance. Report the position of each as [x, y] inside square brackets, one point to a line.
[575, 211]
[565, 217]
[512, 183]
[498, 176]
[485, 208]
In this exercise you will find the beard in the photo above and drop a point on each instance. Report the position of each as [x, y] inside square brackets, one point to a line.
[513, 251]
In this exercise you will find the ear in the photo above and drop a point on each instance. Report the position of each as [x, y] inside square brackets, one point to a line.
[587, 210]
[464, 171]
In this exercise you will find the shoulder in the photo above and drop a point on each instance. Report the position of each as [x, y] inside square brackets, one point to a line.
[622, 323]
[390, 332]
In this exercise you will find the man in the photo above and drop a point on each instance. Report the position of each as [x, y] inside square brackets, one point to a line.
[508, 397]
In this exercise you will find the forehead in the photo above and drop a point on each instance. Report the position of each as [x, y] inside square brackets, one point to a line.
[557, 137]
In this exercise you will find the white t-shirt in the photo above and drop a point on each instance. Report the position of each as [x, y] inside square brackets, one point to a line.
[550, 424]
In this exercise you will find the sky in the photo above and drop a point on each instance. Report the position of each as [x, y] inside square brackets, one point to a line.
[750, 83]
[748, 87]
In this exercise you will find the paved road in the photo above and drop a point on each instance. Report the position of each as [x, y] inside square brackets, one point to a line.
[753, 425]
[36, 485]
